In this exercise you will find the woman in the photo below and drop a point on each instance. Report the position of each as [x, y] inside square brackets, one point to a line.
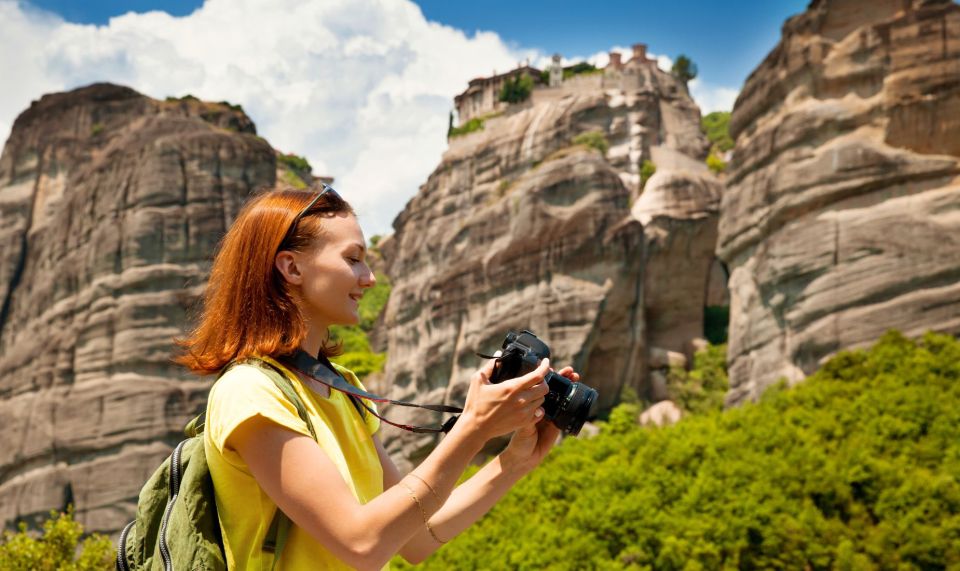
[292, 265]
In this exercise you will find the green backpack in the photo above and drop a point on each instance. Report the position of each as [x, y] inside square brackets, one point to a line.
[176, 527]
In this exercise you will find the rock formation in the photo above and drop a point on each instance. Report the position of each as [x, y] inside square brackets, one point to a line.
[842, 214]
[519, 227]
[111, 205]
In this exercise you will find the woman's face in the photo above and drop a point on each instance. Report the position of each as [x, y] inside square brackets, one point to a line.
[334, 274]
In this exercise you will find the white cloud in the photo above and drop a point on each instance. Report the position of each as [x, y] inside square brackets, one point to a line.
[362, 88]
[711, 97]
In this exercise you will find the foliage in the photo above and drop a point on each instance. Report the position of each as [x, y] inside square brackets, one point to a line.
[96, 129]
[716, 126]
[470, 126]
[293, 179]
[294, 162]
[357, 354]
[58, 548]
[684, 69]
[703, 388]
[855, 468]
[716, 319]
[186, 97]
[593, 139]
[716, 164]
[579, 68]
[232, 106]
[646, 171]
[516, 89]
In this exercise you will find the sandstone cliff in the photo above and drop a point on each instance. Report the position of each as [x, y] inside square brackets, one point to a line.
[111, 205]
[842, 214]
[519, 227]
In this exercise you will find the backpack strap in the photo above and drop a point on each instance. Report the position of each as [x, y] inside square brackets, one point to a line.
[279, 529]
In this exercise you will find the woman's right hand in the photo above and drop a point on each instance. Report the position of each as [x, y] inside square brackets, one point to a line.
[498, 409]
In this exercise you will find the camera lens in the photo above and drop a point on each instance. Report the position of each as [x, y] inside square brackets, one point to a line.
[568, 404]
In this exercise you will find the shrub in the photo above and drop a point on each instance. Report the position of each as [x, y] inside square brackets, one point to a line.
[716, 164]
[716, 126]
[516, 90]
[593, 139]
[703, 388]
[293, 179]
[647, 169]
[579, 68]
[294, 162]
[57, 548]
[470, 126]
[716, 320]
[857, 467]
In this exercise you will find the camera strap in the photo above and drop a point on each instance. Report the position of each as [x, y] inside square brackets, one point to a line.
[322, 371]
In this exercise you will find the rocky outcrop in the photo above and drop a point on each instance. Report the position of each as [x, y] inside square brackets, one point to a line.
[519, 227]
[842, 214]
[111, 204]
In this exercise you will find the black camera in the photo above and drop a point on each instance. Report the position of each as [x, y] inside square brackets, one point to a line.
[567, 404]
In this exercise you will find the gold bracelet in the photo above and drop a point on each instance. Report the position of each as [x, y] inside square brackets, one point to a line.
[426, 520]
[429, 487]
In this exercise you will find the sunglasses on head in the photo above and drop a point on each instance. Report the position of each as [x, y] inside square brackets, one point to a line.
[327, 189]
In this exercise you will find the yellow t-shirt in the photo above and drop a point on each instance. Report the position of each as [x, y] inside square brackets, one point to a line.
[245, 509]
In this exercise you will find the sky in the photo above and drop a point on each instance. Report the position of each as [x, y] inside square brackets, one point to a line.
[361, 88]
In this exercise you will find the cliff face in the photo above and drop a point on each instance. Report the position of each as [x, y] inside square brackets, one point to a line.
[111, 205]
[520, 228]
[842, 214]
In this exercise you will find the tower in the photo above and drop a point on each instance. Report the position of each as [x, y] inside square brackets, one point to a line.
[556, 71]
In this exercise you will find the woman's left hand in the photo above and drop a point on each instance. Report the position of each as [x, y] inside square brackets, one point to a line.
[530, 445]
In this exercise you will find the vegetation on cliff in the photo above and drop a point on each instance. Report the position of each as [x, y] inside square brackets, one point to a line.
[856, 468]
[716, 126]
[516, 90]
[58, 548]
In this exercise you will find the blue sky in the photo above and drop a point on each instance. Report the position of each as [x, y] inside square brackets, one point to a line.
[361, 88]
[726, 39]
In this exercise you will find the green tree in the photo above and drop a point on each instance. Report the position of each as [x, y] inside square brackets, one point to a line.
[716, 126]
[684, 69]
[858, 467]
[58, 548]
[517, 89]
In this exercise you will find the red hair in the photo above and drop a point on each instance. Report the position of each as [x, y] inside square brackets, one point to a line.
[248, 307]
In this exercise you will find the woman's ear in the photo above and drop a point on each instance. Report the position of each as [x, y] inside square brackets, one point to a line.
[286, 263]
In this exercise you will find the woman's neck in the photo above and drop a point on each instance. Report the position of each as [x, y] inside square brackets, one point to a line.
[315, 339]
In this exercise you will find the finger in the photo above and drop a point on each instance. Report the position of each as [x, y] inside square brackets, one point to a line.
[485, 372]
[538, 390]
[529, 404]
[533, 377]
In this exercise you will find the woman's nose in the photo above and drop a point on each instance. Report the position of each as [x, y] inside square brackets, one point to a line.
[368, 279]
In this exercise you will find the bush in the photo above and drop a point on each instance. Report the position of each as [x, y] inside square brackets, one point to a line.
[647, 169]
[716, 164]
[294, 162]
[855, 468]
[58, 548]
[716, 126]
[703, 388]
[470, 126]
[516, 90]
[593, 139]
